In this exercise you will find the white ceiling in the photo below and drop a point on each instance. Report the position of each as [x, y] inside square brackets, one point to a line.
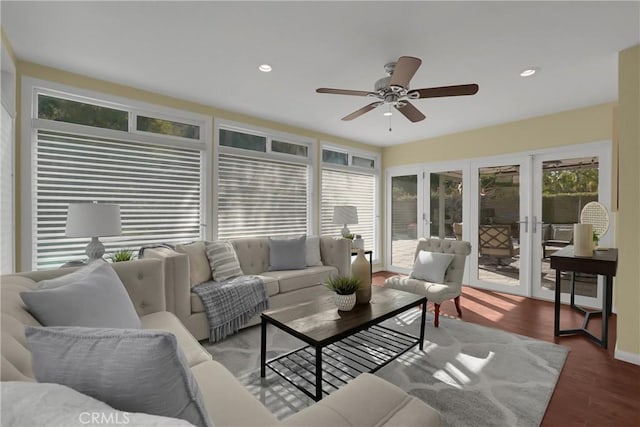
[209, 52]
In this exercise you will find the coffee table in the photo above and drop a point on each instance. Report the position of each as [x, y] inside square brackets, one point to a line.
[340, 344]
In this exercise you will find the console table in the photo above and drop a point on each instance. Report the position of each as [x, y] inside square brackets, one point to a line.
[603, 263]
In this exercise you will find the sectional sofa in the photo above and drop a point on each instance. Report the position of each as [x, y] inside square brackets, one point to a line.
[365, 401]
[283, 287]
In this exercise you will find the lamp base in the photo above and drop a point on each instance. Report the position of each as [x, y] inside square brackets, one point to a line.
[346, 232]
[94, 250]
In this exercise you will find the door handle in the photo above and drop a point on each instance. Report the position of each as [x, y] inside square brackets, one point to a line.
[535, 223]
[526, 224]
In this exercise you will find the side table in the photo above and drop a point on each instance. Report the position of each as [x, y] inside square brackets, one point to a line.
[603, 263]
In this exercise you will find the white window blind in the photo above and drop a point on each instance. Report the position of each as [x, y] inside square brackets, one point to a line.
[157, 186]
[6, 194]
[261, 197]
[353, 189]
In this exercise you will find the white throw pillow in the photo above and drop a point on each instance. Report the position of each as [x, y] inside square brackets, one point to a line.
[223, 261]
[431, 266]
[97, 299]
[38, 404]
[199, 268]
[313, 257]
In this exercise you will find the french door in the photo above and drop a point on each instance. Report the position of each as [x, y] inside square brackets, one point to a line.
[515, 210]
[498, 219]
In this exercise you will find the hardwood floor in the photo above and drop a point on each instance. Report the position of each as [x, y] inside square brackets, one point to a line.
[594, 389]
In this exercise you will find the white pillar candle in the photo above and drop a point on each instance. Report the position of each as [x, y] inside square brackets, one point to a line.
[583, 240]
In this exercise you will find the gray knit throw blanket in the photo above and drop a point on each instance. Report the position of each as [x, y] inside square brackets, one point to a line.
[230, 304]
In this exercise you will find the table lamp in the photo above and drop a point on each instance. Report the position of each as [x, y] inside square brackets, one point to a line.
[93, 220]
[345, 215]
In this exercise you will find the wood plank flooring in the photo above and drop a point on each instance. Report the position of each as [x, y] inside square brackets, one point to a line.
[594, 389]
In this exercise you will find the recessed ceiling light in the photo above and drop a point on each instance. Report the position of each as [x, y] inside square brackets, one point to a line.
[265, 68]
[529, 72]
[387, 113]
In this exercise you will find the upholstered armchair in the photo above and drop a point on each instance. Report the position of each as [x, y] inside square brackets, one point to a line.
[443, 272]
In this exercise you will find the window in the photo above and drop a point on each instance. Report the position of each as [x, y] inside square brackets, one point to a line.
[355, 184]
[156, 180]
[6, 190]
[265, 194]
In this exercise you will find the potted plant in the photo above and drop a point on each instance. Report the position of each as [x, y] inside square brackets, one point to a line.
[122, 255]
[345, 291]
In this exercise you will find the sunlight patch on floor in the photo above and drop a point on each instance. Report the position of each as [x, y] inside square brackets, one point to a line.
[455, 377]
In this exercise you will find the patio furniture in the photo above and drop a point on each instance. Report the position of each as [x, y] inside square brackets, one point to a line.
[496, 241]
[437, 292]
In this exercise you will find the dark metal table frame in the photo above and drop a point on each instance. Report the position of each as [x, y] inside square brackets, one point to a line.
[363, 332]
[603, 263]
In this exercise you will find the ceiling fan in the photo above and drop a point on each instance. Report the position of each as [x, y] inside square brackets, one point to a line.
[393, 90]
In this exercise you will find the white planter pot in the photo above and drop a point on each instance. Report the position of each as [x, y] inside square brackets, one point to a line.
[345, 302]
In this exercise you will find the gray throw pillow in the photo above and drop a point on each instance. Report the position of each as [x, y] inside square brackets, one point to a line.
[58, 405]
[431, 266]
[312, 248]
[130, 370]
[223, 261]
[75, 276]
[287, 254]
[96, 299]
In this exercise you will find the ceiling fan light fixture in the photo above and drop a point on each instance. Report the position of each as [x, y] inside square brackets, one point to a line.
[529, 72]
[387, 113]
[265, 68]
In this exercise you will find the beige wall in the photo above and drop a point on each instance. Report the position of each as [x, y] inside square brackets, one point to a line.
[84, 82]
[627, 284]
[565, 128]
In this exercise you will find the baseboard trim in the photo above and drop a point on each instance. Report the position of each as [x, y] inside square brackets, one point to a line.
[626, 356]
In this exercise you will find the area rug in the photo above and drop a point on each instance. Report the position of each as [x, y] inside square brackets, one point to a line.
[473, 375]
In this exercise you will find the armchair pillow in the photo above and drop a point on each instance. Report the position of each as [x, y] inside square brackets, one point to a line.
[199, 268]
[93, 296]
[287, 254]
[130, 370]
[431, 266]
[223, 261]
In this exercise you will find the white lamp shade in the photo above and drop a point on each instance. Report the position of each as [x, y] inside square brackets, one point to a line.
[345, 215]
[93, 220]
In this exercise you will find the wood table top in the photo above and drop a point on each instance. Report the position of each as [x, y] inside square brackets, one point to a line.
[319, 322]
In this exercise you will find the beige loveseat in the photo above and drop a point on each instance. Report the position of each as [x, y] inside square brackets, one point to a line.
[283, 287]
[365, 401]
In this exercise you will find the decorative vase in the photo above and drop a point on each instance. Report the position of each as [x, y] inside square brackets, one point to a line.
[344, 302]
[583, 240]
[361, 269]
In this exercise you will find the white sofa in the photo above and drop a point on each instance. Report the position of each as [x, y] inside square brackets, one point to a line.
[283, 287]
[365, 401]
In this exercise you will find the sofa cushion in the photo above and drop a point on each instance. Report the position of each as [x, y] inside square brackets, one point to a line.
[223, 261]
[297, 279]
[58, 405]
[271, 283]
[367, 401]
[129, 369]
[93, 297]
[199, 267]
[431, 266]
[165, 321]
[312, 251]
[287, 253]
[228, 402]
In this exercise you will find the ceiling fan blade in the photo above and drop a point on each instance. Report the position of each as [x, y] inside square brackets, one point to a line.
[437, 92]
[405, 69]
[343, 91]
[361, 111]
[411, 112]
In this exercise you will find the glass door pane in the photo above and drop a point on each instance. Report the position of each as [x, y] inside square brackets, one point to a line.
[445, 204]
[499, 229]
[563, 186]
[404, 220]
